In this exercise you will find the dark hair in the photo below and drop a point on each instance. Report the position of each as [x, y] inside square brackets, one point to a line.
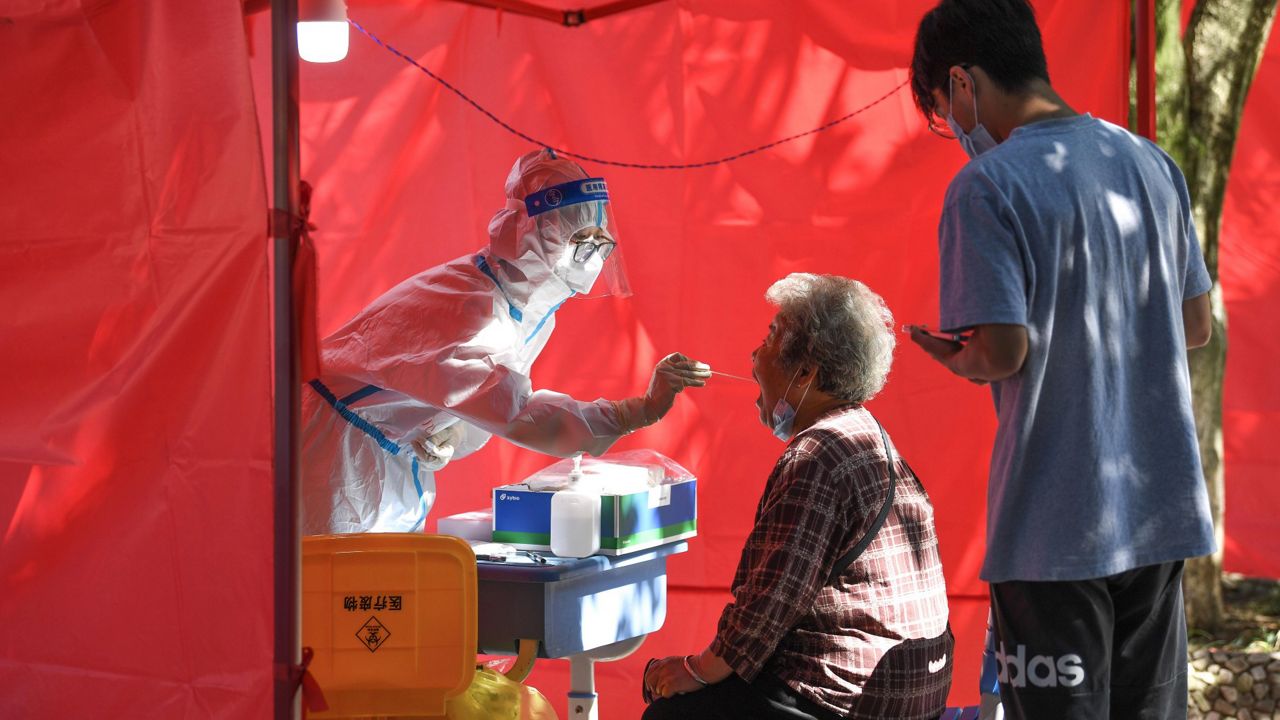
[999, 36]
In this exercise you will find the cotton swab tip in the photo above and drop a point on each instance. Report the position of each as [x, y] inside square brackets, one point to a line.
[735, 377]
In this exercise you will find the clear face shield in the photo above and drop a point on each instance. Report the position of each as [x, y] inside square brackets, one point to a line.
[576, 219]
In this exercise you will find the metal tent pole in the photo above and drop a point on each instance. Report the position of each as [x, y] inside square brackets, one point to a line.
[284, 93]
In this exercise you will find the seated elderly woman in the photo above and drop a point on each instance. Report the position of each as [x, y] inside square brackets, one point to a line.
[812, 631]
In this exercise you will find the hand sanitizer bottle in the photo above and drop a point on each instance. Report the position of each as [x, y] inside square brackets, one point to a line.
[575, 518]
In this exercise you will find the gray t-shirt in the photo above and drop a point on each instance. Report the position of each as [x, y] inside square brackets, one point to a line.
[1081, 232]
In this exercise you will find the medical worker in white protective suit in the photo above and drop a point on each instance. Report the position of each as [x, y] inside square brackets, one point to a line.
[441, 361]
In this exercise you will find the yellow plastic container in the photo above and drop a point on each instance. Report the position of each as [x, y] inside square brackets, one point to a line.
[392, 620]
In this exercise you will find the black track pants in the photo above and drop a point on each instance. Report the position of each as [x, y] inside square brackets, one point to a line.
[1112, 648]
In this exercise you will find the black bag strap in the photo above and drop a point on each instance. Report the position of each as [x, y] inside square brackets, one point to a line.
[847, 559]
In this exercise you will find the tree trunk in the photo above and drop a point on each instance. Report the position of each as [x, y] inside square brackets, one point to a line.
[1203, 78]
[1202, 577]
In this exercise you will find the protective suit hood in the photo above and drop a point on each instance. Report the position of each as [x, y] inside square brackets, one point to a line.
[549, 198]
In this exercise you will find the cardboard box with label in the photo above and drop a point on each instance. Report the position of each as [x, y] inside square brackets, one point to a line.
[646, 499]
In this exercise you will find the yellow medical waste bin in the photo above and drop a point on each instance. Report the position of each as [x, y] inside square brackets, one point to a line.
[392, 620]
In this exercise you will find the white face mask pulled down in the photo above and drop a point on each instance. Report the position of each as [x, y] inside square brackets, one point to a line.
[784, 415]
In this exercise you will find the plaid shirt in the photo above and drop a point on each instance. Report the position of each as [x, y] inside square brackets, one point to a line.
[828, 642]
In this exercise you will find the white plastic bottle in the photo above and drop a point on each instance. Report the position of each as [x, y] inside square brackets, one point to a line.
[575, 519]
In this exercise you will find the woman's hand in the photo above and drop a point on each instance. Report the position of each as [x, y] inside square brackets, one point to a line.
[667, 677]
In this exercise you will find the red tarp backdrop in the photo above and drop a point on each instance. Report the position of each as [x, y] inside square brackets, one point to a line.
[1249, 270]
[407, 176]
[135, 436]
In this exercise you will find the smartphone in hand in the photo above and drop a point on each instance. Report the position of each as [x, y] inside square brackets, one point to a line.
[960, 338]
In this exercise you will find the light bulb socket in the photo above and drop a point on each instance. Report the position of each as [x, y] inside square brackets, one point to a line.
[322, 11]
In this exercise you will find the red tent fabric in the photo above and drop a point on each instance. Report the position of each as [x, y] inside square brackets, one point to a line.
[1249, 270]
[407, 175]
[135, 438]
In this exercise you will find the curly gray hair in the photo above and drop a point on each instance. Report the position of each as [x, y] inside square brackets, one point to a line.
[837, 325]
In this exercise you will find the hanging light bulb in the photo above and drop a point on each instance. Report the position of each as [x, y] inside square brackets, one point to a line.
[322, 30]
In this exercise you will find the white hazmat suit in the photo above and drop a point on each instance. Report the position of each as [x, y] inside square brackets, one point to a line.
[441, 362]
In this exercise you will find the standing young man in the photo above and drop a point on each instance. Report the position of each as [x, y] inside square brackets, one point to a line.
[1069, 258]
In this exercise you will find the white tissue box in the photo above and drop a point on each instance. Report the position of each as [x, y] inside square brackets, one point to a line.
[474, 525]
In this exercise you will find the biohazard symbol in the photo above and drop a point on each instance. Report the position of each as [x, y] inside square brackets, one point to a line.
[373, 634]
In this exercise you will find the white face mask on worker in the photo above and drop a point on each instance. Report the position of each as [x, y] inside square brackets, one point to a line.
[579, 276]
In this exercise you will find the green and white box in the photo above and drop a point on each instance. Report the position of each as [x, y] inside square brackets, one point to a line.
[635, 512]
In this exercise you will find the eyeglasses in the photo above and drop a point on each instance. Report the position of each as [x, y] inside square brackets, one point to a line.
[940, 127]
[584, 248]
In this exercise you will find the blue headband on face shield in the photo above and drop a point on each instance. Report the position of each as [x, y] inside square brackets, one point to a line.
[570, 193]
